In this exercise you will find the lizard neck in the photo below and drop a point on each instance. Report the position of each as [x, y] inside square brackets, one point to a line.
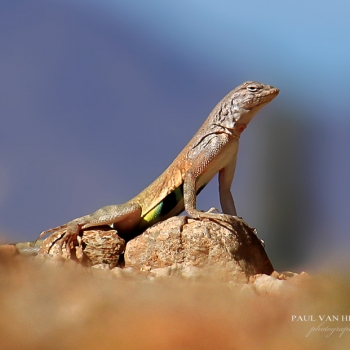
[238, 129]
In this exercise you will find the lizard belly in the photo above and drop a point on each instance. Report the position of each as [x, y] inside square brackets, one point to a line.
[173, 203]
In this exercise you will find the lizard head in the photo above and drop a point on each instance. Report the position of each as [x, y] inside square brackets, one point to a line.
[242, 103]
[238, 107]
[252, 94]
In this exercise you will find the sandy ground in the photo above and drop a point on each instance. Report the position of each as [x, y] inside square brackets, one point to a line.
[46, 305]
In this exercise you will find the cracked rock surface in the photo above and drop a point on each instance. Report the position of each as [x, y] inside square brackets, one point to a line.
[176, 246]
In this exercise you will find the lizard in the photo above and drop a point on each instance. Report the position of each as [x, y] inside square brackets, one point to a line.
[213, 149]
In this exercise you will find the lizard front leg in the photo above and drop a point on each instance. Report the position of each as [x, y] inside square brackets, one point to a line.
[210, 156]
[197, 214]
[190, 204]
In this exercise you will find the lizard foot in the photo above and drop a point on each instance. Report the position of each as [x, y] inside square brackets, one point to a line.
[51, 230]
[196, 214]
[63, 235]
[69, 237]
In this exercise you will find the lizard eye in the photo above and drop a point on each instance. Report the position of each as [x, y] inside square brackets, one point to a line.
[252, 88]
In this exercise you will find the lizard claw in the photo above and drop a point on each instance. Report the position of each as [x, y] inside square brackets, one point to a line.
[62, 236]
[211, 215]
[214, 210]
[65, 240]
[51, 230]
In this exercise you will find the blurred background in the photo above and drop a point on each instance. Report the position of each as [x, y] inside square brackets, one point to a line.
[97, 98]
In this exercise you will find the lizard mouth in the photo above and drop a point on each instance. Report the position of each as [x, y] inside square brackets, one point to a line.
[262, 99]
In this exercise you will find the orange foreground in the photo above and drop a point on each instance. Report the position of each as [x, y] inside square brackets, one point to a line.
[47, 305]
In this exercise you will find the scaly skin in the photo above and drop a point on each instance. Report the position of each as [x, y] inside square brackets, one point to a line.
[212, 150]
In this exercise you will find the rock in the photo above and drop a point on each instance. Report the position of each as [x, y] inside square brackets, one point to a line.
[176, 247]
[8, 250]
[103, 246]
[186, 247]
[100, 246]
[267, 284]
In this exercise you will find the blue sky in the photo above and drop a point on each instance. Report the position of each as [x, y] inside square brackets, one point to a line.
[286, 38]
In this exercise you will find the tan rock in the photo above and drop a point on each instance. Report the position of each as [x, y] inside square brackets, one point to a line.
[188, 247]
[103, 246]
[99, 246]
[8, 250]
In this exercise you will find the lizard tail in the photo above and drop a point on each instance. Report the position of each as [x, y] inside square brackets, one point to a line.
[29, 248]
[26, 248]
